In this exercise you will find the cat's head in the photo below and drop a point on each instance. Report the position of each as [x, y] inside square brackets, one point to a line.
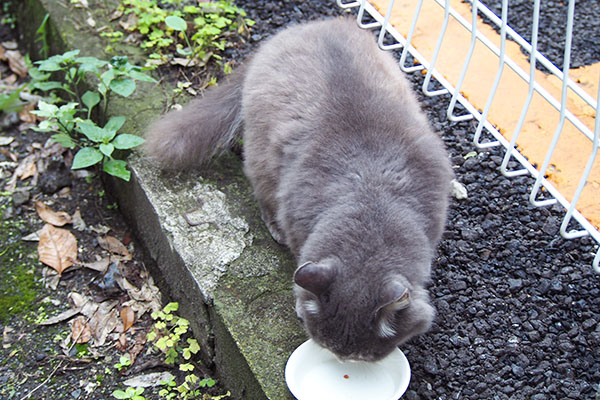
[359, 319]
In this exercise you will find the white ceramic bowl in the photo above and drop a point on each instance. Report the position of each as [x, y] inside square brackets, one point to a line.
[314, 373]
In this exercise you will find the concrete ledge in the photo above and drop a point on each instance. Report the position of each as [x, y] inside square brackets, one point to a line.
[203, 230]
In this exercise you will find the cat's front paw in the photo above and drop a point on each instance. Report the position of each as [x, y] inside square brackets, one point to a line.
[275, 233]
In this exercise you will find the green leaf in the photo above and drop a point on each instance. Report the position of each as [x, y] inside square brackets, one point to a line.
[107, 149]
[91, 60]
[54, 63]
[119, 394]
[161, 343]
[46, 86]
[124, 87]
[126, 141]
[172, 306]
[117, 168]
[93, 132]
[68, 108]
[37, 75]
[69, 54]
[90, 99]
[176, 23]
[151, 336]
[46, 126]
[186, 367]
[183, 52]
[207, 382]
[45, 110]
[90, 64]
[106, 78]
[115, 123]
[140, 76]
[119, 62]
[194, 346]
[10, 102]
[49, 66]
[86, 157]
[64, 140]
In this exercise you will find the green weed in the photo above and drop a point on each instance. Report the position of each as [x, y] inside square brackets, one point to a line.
[72, 117]
[170, 335]
[197, 32]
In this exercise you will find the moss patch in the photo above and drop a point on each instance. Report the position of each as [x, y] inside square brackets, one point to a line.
[18, 286]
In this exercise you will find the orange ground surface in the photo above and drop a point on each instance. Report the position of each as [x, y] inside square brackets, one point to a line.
[573, 149]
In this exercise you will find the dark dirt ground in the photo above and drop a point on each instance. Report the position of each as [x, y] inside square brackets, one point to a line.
[518, 306]
[32, 353]
[35, 360]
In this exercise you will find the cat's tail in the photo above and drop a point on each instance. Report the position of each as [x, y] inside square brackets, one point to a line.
[203, 128]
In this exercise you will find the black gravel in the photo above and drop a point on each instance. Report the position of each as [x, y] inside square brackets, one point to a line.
[585, 48]
[518, 306]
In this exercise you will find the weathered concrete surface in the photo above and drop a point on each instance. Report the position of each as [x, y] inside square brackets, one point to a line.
[201, 228]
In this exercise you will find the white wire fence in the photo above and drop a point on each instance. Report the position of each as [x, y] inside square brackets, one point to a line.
[569, 88]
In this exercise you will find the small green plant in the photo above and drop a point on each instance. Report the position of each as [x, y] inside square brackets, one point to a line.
[73, 121]
[82, 350]
[169, 335]
[124, 362]
[6, 16]
[198, 31]
[129, 393]
[10, 102]
[42, 36]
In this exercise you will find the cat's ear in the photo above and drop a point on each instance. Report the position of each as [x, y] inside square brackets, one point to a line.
[395, 298]
[313, 277]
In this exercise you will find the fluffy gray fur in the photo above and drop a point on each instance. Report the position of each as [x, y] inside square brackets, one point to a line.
[347, 172]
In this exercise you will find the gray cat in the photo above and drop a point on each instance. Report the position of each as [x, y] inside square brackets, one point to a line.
[346, 170]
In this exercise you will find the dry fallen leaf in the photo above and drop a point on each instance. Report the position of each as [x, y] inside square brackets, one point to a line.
[11, 79]
[16, 62]
[114, 245]
[149, 380]
[25, 114]
[80, 330]
[30, 170]
[56, 218]
[100, 265]
[128, 317]
[27, 167]
[57, 248]
[104, 321]
[78, 222]
[100, 229]
[32, 237]
[9, 154]
[7, 339]
[121, 343]
[85, 305]
[185, 62]
[51, 277]
[116, 15]
[63, 316]
[130, 23]
[146, 298]
[6, 140]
